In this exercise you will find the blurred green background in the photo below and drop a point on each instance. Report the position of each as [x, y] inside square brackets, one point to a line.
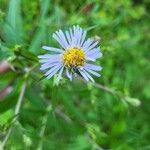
[113, 113]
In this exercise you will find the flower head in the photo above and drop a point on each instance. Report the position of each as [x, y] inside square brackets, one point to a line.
[76, 55]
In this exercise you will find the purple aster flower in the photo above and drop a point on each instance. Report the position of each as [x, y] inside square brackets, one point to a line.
[76, 55]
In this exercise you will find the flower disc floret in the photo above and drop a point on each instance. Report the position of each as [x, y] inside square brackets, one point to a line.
[74, 57]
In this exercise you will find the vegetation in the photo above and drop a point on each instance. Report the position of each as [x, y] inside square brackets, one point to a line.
[113, 113]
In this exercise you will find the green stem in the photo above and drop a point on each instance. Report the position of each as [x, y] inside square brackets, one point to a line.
[17, 110]
[45, 118]
[43, 128]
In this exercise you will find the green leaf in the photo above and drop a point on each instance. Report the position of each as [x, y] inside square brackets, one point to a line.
[10, 100]
[35, 99]
[133, 101]
[68, 103]
[37, 40]
[41, 31]
[5, 52]
[5, 117]
[44, 8]
[29, 55]
[13, 28]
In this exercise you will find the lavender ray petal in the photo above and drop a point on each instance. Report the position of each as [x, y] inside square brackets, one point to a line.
[79, 36]
[52, 71]
[92, 67]
[83, 38]
[75, 36]
[71, 35]
[96, 55]
[68, 37]
[62, 37]
[52, 59]
[48, 65]
[92, 45]
[84, 75]
[69, 75]
[59, 40]
[93, 72]
[90, 59]
[88, 75]
[52, 49]
[48, 56]
[87, 44]
[59, 75]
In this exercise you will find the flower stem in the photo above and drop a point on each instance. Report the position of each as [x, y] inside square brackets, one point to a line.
[43, 128]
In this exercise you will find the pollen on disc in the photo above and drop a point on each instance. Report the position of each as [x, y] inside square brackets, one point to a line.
[74, 57]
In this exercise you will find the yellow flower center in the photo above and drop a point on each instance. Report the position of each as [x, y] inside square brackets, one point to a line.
[74, 57]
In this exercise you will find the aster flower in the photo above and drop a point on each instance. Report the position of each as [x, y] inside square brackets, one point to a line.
[76, 55]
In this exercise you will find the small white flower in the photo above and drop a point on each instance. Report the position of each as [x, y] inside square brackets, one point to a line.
[75, 55]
